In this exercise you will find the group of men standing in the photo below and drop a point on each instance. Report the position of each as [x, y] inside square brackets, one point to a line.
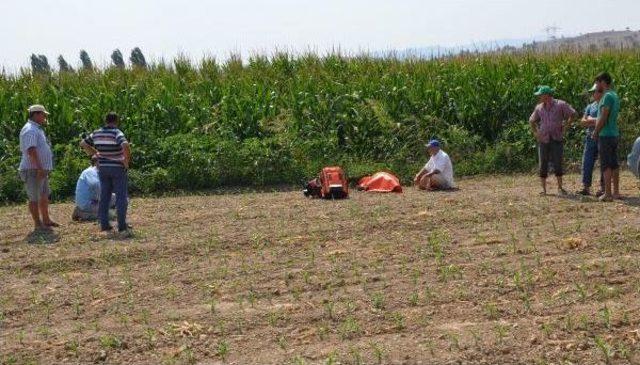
[550, 119]
[110, 155]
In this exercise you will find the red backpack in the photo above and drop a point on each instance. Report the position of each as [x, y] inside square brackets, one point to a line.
[331, 184]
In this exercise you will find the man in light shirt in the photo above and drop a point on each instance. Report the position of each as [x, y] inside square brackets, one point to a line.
[437, 174]
[35, 165]
[88, 194]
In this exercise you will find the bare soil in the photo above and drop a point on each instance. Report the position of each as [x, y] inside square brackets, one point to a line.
[490, 274]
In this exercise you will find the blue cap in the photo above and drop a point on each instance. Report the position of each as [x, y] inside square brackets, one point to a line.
[433, 143]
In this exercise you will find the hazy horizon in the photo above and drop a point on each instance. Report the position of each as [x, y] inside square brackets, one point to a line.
[164, 29]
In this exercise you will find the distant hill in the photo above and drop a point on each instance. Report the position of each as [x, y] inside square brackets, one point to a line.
[591, 41]
[444, 51]
[625, 39]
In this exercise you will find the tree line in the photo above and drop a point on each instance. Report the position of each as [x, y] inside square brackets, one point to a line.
[40, 63]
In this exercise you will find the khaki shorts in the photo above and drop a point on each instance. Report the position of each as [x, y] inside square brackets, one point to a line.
[439, 180]
[36, 188]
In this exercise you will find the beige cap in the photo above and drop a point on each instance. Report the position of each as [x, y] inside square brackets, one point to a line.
[37, 108]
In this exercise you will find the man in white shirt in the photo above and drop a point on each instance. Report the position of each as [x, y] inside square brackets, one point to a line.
[35, 165]
[437, 174]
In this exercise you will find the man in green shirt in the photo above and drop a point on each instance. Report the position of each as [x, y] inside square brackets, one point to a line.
[607, 135]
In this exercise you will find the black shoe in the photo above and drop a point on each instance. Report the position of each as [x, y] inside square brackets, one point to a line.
[599, 193]
[584, 191]
[126, 229]
[106, 229]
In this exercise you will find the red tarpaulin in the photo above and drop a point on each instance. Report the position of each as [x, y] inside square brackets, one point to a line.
[380, 182]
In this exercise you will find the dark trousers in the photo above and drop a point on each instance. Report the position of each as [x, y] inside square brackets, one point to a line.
[589, 158]
[550, 152]
[608, 147]
[113, 180]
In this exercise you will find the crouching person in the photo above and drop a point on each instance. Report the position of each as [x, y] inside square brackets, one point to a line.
[437, 174]
[88, 194]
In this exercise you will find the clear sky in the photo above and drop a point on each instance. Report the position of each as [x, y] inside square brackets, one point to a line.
[165, 28]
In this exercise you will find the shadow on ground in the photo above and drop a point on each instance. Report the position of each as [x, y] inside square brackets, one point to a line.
[632, 201]
[578, 198]
[42, 237]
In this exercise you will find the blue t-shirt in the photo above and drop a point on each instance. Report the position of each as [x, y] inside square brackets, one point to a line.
[88, 188]
[591, 111]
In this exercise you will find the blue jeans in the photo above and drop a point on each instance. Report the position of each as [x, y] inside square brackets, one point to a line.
[113, 180]
[589, 158]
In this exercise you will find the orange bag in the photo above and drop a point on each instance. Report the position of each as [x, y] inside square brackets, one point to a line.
[334, 183]
[380, 182]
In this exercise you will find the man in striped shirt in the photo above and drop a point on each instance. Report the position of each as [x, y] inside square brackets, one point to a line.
[35, 166]
[112, 149]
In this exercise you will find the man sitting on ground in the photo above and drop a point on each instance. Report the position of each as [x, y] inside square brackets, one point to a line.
[437, 174]
[88, 194]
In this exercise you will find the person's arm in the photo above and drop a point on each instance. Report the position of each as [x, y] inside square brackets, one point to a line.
[602, 120]
[419, 175]
[435, 171]
[88, 148]
[585, 122]
[533, 122]
[568, 122]
[569, 115]
[126, 149]
[32, 152]
[589, 122]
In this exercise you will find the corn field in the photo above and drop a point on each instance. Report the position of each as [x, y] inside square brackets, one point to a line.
[279, 119]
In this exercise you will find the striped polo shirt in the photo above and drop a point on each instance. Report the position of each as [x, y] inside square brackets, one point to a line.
[32, 135]
[108, 141]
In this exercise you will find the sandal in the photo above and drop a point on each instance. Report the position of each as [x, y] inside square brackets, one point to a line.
[605, 198]
[583, 191]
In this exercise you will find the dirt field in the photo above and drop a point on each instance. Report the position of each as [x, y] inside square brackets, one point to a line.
[489, 274]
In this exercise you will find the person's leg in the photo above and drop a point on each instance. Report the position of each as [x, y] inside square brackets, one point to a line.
[75, 216]
[588, 162]
[557, 152]
[615, 169]
[85, 215]
[607, 183]
[32, 189]
[615, 181]
[608, 162]
[43, 204]
[92, 213]
[596, 156]
[424, 183]
[438, 182]
[35, 214]
[120, 188]
[543, 158]
[106, 187]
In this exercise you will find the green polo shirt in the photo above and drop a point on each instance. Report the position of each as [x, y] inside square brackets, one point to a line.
[611, 101]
